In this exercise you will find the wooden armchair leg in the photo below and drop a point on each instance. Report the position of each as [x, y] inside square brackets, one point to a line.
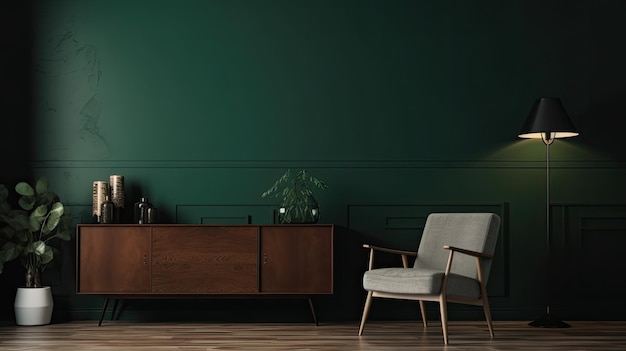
[423, 312]
[443, 307]
[366, 310]
[488, 316]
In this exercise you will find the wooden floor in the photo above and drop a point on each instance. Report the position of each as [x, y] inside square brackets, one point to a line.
[378, 336]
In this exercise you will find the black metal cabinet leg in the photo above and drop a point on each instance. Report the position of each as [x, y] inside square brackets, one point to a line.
[114, 309]
[313, 311]
[104, 309]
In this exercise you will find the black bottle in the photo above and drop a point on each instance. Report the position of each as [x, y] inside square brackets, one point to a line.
[106, 211]
[141, 211]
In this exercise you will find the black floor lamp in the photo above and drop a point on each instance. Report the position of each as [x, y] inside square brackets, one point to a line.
[548, 121]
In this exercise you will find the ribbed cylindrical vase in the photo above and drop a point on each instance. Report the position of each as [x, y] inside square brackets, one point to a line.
[100, 190]
[116, 188]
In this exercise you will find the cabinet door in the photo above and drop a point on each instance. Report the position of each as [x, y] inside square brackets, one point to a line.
[297, 259]
[205, 259]
[113, 259]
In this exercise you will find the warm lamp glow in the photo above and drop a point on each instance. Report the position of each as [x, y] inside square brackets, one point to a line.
[539, 135]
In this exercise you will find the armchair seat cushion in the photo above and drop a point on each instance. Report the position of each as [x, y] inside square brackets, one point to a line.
[418, 281]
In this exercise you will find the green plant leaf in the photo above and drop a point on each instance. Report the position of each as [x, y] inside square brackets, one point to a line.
[63, 233]
[22, 236]
[42, 185]
[45, 253]
[10, 251]
[24, 189]
[274, 188]
[38, 248]
[7, 232]
[47, 256]
[19, 220]
[27, 202]
[4, 193]
[37, 217]
[47, 198]
[65, 229]
[5, 207]
[54, 216]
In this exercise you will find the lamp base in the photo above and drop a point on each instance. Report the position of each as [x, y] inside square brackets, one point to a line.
[548, 321]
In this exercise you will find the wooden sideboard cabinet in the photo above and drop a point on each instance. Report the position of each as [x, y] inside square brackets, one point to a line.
[123, 261]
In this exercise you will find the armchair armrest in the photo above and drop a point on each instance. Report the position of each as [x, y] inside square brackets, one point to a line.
[477, 255]
[404, 254]
[468, 252]
[393, 251]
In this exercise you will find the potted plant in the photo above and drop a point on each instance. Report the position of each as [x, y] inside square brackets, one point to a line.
[27, 234]
[298, 204]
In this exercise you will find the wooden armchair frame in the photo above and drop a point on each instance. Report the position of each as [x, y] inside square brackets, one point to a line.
[443, 298]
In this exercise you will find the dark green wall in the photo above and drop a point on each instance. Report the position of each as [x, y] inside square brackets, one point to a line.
[403, 107]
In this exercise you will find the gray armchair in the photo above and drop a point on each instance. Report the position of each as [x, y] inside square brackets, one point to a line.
[452, 265]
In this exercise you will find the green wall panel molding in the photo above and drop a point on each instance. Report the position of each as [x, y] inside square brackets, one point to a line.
[586, 254]
[534, 162]
[231, 214]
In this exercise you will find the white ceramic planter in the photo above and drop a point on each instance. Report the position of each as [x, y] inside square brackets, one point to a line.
[33, 306]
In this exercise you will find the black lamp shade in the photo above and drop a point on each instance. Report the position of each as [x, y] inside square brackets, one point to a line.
[548, 116]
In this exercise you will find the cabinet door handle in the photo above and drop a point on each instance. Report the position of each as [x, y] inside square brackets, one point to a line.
[264, 258]
[145, 259]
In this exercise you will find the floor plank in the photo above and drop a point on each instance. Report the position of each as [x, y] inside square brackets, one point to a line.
[378, 336]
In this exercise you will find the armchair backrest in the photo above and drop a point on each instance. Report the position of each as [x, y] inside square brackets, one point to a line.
[470, 231]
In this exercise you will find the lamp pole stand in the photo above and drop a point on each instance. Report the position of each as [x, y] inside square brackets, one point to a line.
[548, 320]
[548, 120]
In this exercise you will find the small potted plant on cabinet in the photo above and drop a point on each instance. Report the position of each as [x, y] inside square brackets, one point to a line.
[298, 204]
[26, 234]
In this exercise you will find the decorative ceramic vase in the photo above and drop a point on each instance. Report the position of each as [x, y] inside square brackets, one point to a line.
[33, 306]
[116, 188]
[100, 190]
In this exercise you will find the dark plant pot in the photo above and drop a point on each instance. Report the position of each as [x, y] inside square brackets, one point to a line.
[307, 213]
